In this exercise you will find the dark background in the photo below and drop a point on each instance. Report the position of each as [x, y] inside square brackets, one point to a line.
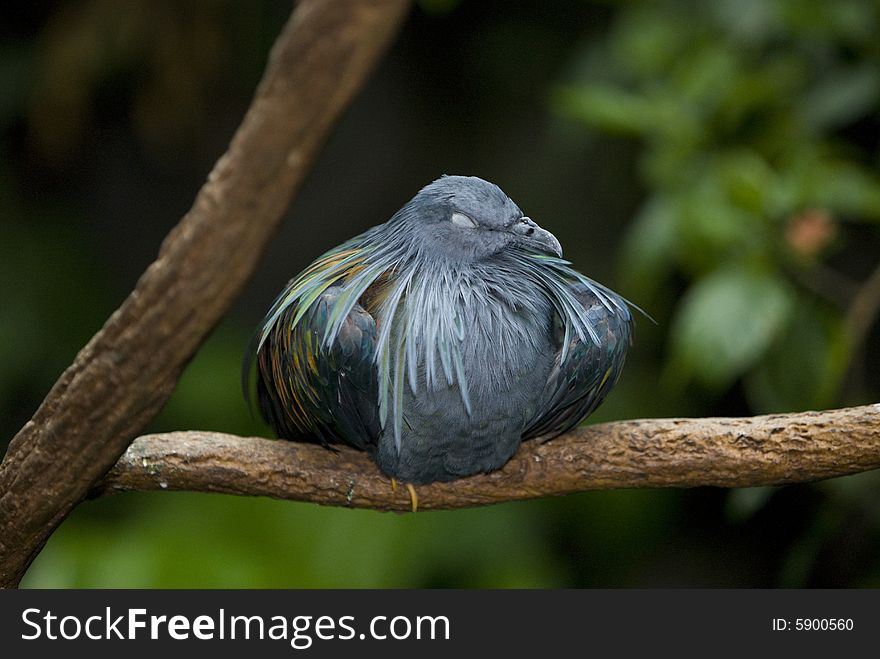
[716, 162]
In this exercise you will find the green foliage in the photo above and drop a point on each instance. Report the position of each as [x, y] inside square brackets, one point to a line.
[806, 364]
[197, 540]
[727, 321]
[752, 184]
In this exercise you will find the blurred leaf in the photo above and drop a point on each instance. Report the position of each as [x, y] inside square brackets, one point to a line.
[726, 323]
[860, 490]
[851, 22]
[648, 43]
[650, 248]
[749, 21]
[760, 95]
[846, 189]
[713, 230]
[841, 97]
[803, 369]
[816, 180]
[795, 571]
[743, 502]
[704, 75]
[606, 108]
[748, 180]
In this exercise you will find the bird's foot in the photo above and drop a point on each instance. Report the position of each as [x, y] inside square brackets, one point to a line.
[413, 497]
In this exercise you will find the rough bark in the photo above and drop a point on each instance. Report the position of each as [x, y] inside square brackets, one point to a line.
[724, 452]
[124, 375]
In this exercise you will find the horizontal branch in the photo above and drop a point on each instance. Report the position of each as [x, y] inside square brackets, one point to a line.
[723, 452]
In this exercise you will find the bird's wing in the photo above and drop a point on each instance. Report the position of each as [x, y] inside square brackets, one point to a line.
[310, 390]
[316, 349]
[587, 368]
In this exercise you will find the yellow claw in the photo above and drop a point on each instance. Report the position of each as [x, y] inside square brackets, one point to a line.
[413, 497]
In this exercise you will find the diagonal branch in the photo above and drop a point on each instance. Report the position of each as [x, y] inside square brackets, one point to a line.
[724, 452]
[121, 379]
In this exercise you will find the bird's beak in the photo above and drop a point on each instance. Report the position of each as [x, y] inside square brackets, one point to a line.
[534, 237]
[547, 242]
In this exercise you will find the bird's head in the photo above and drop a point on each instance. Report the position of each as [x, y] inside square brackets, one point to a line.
[467, 219]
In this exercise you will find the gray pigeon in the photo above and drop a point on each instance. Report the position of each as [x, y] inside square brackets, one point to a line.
[440, 340]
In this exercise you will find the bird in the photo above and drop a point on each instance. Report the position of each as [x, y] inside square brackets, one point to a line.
[440, 340]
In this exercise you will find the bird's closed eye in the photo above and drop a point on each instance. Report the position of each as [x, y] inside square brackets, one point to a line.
[462, 220]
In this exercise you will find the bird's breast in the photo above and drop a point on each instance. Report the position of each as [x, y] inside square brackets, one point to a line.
[506, 352]
[504, 347]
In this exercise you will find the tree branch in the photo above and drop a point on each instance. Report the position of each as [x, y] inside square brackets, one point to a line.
[124, 375]
[723, 452]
